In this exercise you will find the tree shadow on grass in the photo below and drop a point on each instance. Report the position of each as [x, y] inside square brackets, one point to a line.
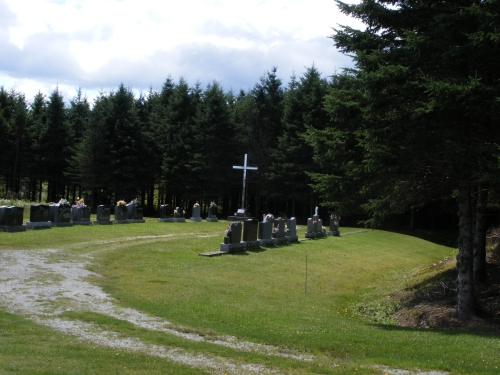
[449, 239]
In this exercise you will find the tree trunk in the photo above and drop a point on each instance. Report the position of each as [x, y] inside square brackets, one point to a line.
[465, 286]
[479, 263]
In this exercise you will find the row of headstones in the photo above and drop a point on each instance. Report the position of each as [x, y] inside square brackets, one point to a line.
[168, 214]
[256, 234]
[315, 227]
[46, 216]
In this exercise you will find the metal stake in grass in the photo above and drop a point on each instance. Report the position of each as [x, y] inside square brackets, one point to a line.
[305, 288]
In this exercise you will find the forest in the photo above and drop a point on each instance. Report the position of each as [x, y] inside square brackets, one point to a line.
[410, 131]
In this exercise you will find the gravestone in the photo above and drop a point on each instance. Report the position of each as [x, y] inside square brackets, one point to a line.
[250, 228]
[265, 236]
[166, 213]
[212, 213]
[39, 217]
[60, 214]
[315, 226]
[291, 230]
[179, 215]
[279, 231]
[80, 215]
[103, 215]
[232, 239]
[334, 226]
[121, 214]
[135, 213]
[11, 218]
[240, 215]
[196, 213]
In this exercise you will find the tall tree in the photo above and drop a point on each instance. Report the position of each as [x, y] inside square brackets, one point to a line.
[427, 79]
[54, 141]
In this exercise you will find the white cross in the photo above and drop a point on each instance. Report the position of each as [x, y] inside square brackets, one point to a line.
[244, 167]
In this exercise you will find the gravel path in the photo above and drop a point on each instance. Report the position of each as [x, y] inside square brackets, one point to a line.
[39, 285]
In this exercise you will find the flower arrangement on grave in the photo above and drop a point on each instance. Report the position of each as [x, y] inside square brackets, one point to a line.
[196, 205]
[228, 230]
[269, 217]
[121, 202]
[79, 203]
[63, 201]
[176, 212]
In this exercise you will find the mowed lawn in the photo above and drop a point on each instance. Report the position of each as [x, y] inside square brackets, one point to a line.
[305, 297]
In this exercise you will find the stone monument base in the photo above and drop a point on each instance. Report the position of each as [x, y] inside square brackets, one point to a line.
[316, 234]
[121, 221]
[232, 247]
[280, 240]
[38, 224]
[172, 220]
[82, 222]
[68, 224]
[212, 219]
[103, 222]
[266, 242]
[197, 219]
[14, 228]
[136, 221]
[292, 238]
[251, 244]
[330, 233]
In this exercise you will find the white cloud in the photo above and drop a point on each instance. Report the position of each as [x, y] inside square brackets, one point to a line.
[91, 43]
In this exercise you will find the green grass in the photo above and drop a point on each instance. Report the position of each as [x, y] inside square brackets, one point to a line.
[259, 296]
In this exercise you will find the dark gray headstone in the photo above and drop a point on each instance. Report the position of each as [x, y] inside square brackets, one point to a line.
[121, 213]
[62, 214]
[265, 230]
[196, 213]
[250, 230]
[291, 230]
[103, 213]
[39, 213]
[233, 235]
[212, 212]
[279, 228]
[166, 211]
[334, 226]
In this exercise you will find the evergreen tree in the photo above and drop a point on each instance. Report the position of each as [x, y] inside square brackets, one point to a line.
[127, 146]
[54, 141]
[420, 106]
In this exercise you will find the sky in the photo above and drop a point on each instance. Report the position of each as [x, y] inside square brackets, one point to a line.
[96, 45]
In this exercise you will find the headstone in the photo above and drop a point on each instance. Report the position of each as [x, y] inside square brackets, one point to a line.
[135, 213]
[103, 215]
[265, 236]
[11, 218]
[121, 213]
[212, 213]
[166, 213]
[232, 239]
[334, 226]
[250, 228]
[291, 230]
[179, 214]
[196, 213]
[315, 226]
[80, 215]
[240, 215]
[39, 217]
[279, 231]
[61, 214]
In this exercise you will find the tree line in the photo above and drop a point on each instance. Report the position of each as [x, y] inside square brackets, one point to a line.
[172, 146]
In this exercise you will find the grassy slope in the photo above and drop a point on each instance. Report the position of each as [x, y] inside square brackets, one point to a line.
[261, 295]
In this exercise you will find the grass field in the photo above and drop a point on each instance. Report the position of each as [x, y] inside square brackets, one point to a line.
[294, 309]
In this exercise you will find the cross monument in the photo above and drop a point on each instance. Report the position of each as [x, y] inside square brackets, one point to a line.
[244, 167]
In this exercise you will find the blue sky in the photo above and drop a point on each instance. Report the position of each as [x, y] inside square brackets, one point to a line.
[98, 44]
